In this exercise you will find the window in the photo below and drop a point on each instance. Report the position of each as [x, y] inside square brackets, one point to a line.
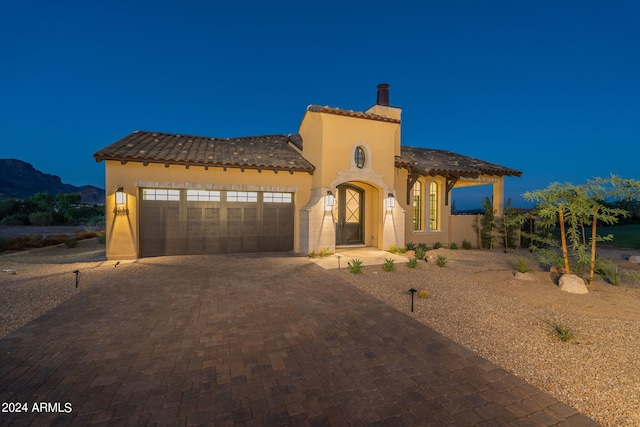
[359, 158]
[158, 194]
[242, 196]
[417, 206]
[277, 197]
[203, 196]
[434, 207]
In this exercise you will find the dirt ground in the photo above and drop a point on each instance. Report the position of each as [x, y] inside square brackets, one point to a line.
[539, 288]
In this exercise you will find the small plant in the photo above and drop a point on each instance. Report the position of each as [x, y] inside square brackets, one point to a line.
[437, 245]
[424, 294]
[422, 246]
[102, 239]
[562, 332]
[441, 261]
[413, 262]
[410, 246]
[466, 244]
[522, 266]
[396, 250]
[389, 265]
[313, 254]
[325, 252]
[420, 252]
[355, 266]
[614, 277]
[453, 246]
[71, 242]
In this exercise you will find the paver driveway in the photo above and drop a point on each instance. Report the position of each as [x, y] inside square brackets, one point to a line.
[269, 339]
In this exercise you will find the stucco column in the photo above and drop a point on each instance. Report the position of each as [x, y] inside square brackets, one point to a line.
[498, 197]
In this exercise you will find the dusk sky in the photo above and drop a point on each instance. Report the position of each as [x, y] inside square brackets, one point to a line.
[551, 88]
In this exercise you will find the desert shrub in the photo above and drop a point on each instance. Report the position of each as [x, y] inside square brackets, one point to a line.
[16, 219]
[437, 245]
[71, 242]
[522, 265]
[51, 241]
[453, 246]
[396, 250]
[410, 246]
[441, 261]
[466, 244]
[25, 241]
[41, 218]
[84, 235]
[562, 332]
[424, 294]
[420, 252]
[102, 239]
[389, 265]
[422, 246]
[356, 266]
[412, 263]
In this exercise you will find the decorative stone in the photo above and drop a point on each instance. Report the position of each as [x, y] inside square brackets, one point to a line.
[572, 284]
[634, 259]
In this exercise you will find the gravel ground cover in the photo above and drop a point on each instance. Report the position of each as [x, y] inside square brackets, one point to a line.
[475, 300]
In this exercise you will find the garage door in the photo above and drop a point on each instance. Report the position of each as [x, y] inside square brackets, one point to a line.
[176, 222]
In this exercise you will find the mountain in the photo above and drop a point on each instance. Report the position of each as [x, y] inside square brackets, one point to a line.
[20, 180]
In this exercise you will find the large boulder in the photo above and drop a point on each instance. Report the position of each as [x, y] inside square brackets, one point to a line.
[572, 284]
[634, 259]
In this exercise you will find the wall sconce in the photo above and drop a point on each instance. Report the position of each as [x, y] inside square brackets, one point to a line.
[121, 202]
[391, 201]
[329, 201]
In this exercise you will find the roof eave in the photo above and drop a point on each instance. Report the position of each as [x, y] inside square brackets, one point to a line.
[206, 165]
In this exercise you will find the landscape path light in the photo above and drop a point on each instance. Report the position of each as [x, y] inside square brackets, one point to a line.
[413, 292]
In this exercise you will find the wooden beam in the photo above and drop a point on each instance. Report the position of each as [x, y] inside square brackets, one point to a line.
[412, 177]
[451, 182]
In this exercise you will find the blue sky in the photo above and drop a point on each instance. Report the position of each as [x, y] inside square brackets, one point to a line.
[551, 88]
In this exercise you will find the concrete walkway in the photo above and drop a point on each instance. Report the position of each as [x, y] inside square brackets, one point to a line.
[368, 255]
[266, 339]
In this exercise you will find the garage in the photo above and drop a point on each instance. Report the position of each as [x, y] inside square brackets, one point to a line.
[191, 221]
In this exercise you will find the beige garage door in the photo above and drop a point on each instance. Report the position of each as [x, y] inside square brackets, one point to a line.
[176, 222]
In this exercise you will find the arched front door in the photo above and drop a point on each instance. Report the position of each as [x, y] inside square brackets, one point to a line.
[349, 215]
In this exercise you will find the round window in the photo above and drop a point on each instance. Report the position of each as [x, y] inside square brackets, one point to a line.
[358, 157]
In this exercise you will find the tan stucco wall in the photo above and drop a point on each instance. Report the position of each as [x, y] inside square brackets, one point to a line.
[329, 142]
[123, 230]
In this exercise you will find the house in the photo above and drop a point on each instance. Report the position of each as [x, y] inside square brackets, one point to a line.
[344, 179]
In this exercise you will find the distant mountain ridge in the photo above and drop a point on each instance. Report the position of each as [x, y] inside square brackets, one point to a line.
[20, 180]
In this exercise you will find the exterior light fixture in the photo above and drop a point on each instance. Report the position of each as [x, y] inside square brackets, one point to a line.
[121, 202]
[329, 201]
[391, 201]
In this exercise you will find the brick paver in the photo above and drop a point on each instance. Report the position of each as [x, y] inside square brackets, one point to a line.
[266, 339]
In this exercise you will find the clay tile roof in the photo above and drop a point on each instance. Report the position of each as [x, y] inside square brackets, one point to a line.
[349, 113]
[271, 152]
[433, 162]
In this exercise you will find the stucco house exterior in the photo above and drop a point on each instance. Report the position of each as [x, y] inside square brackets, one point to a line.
[344, 179]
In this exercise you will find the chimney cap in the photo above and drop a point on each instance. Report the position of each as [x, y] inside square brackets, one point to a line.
[383, 94]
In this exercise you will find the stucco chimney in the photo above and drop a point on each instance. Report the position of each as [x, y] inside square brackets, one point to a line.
[383, 94]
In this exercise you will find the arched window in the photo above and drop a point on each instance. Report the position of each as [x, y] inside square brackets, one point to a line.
[434, 207]
[417, 206]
